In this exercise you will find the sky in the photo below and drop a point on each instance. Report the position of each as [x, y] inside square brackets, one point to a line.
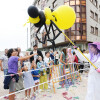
[13, 15]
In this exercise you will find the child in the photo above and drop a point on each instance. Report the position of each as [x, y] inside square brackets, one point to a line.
[48, 62]
[35, 75]
[28, 81]
[43, 75]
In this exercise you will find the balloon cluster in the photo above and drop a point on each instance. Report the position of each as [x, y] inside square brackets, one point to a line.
[61, 18]
[64, 16]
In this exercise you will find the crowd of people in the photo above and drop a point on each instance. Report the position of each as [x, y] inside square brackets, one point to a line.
[25, 71]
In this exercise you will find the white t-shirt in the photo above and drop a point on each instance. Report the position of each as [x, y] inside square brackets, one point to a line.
[46, 60]
[21, 55]
[35, 56]
[57, 56]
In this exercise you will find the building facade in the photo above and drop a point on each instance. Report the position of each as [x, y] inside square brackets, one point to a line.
[86, 28]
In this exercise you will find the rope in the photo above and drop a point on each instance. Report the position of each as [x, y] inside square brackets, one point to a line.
[37, 69]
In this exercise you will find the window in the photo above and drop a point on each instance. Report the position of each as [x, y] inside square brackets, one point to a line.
[96, 31]
[78, 8]
[72, 37]
[72, 2]
[83, 15]
[83, 3]
[78, 15]
[96, 17]
[84, 26]
[78, 20]
[73, 27]
[92, 29]
[78, 26]
[92, 14]
[78, 37]
[83, 8]
[77, 2]
[84, 33]
[83, 37]
[66, 2]
[72, 33]
[83, 20]
[73, 7]
[78, 33]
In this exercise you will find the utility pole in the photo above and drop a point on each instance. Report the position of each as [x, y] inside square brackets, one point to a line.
[27, 37]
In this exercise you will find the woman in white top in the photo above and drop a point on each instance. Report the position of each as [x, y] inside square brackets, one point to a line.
[93, 90]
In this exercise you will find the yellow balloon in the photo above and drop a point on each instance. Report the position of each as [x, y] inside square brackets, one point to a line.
[47, 21]
[48, 15]
[65, 16]
[34, 20]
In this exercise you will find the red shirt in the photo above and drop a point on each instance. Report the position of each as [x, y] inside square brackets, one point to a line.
[76, 59]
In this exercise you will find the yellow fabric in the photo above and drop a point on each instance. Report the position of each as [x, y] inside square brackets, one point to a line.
[42, 80]
[34, 20]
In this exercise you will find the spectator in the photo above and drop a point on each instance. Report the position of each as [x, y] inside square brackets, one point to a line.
[63, 63]
[48, 62]
[83, 51]
[28, 82]
[75, 61]
[39, 53]
[75, 57]
[70, 56]
[70, 61]
[19, 84]
[56, 58]
[20, 54]
[52, 55]
[93, 88]
[43, 75]
[35, 75]
[81, 63]
[4, 62]
[27, 62]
